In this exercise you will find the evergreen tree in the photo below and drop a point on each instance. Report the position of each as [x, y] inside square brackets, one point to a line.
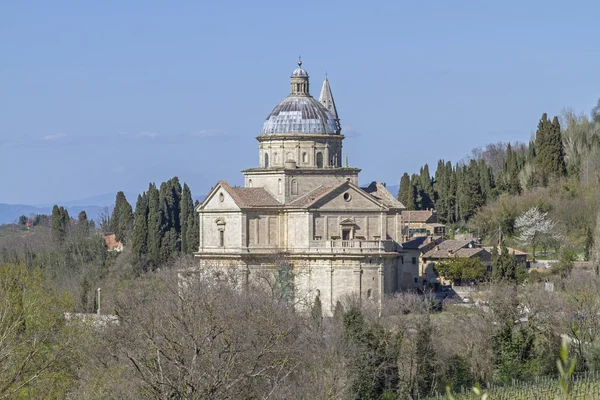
[405, 191]
[187, 209]
[140, 227]
[122, 218]
[425, 356]
[550, 157]
[83, 225]
[193, 231]
[413, 198]
[60, 224]
[154, 224]
[170, 210]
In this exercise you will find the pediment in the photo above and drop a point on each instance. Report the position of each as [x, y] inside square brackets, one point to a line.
[348, 197]
[219, 199]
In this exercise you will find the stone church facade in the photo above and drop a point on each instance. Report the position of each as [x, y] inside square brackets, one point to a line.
[301, 215]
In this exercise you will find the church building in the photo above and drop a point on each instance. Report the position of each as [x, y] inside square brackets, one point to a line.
[302, 216]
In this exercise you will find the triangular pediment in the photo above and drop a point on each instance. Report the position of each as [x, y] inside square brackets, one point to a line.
[219, 198]
[348, 196]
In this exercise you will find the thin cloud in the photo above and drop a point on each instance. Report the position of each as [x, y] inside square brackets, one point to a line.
[207, 133]
[150, 135]
[56, 136]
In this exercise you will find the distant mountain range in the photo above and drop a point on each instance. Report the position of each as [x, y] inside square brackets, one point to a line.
[93, 206]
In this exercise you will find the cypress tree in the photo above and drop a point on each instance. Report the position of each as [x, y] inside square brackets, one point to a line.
[60, 224]
[404, 192]
[413, 193]
[154, 224]
[193, 231]
[187, 209]
[441, 189]
[83, 225]
[559, 166]
[122, 218]
[140, 227]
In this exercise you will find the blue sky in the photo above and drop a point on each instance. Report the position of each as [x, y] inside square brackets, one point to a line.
[97, 97]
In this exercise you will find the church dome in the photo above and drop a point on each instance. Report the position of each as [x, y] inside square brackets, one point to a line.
[300, 112]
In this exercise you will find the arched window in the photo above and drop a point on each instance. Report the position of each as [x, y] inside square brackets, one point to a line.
[266, 160]
[279, 187]
[369, 294]
[221, 232]
[249, 182]
[289, 156]
[276, 159]
[305, 158]
[319, 160]
[294, 186]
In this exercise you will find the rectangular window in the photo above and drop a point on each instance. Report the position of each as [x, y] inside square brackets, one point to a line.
[416, 280]
[221, 238]
[414, 260]
[401, 259]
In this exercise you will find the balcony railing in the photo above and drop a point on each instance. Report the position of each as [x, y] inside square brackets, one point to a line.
[351, 246]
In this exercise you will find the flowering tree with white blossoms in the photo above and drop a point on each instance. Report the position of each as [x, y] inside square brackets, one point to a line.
[534, 227]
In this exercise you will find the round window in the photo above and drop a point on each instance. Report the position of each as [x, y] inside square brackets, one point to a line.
[347, 196]
[221, 197]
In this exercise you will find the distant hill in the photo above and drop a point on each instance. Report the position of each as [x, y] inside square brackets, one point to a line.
[93, 206]
[10, 213]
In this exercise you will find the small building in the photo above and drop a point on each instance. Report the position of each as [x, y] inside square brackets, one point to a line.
[449, 249]
[112, 243]
[421, 223]
[520, 256]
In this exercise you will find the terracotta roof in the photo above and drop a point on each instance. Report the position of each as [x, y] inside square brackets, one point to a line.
[419, 216]
[380, 192]
[423, 243]
[250, 197]
[465, 252]
[510, 250]
[312, 196]
[449, 248]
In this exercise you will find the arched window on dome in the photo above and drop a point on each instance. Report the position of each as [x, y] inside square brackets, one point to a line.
[289, 156]
[266, 160]
[319, 160]
[305, 158]
[294, 185]
[279, 187]
[249, 182]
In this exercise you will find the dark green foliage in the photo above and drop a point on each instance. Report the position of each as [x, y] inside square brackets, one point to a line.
[60, 224]
[170, 212]
[193, 233]
[504, 266]
[140, 227]
[154, 225]
[187, 209]
[121, 222]
[514, 352]
[22, 220]
[83, 225]
[461, 269]
[425, 356]
[372, 367]
[405, 190]
[550, 153]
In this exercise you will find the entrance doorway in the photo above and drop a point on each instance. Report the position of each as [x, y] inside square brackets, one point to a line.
[346, 234]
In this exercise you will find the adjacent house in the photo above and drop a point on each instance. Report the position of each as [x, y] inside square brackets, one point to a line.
[421, 223]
